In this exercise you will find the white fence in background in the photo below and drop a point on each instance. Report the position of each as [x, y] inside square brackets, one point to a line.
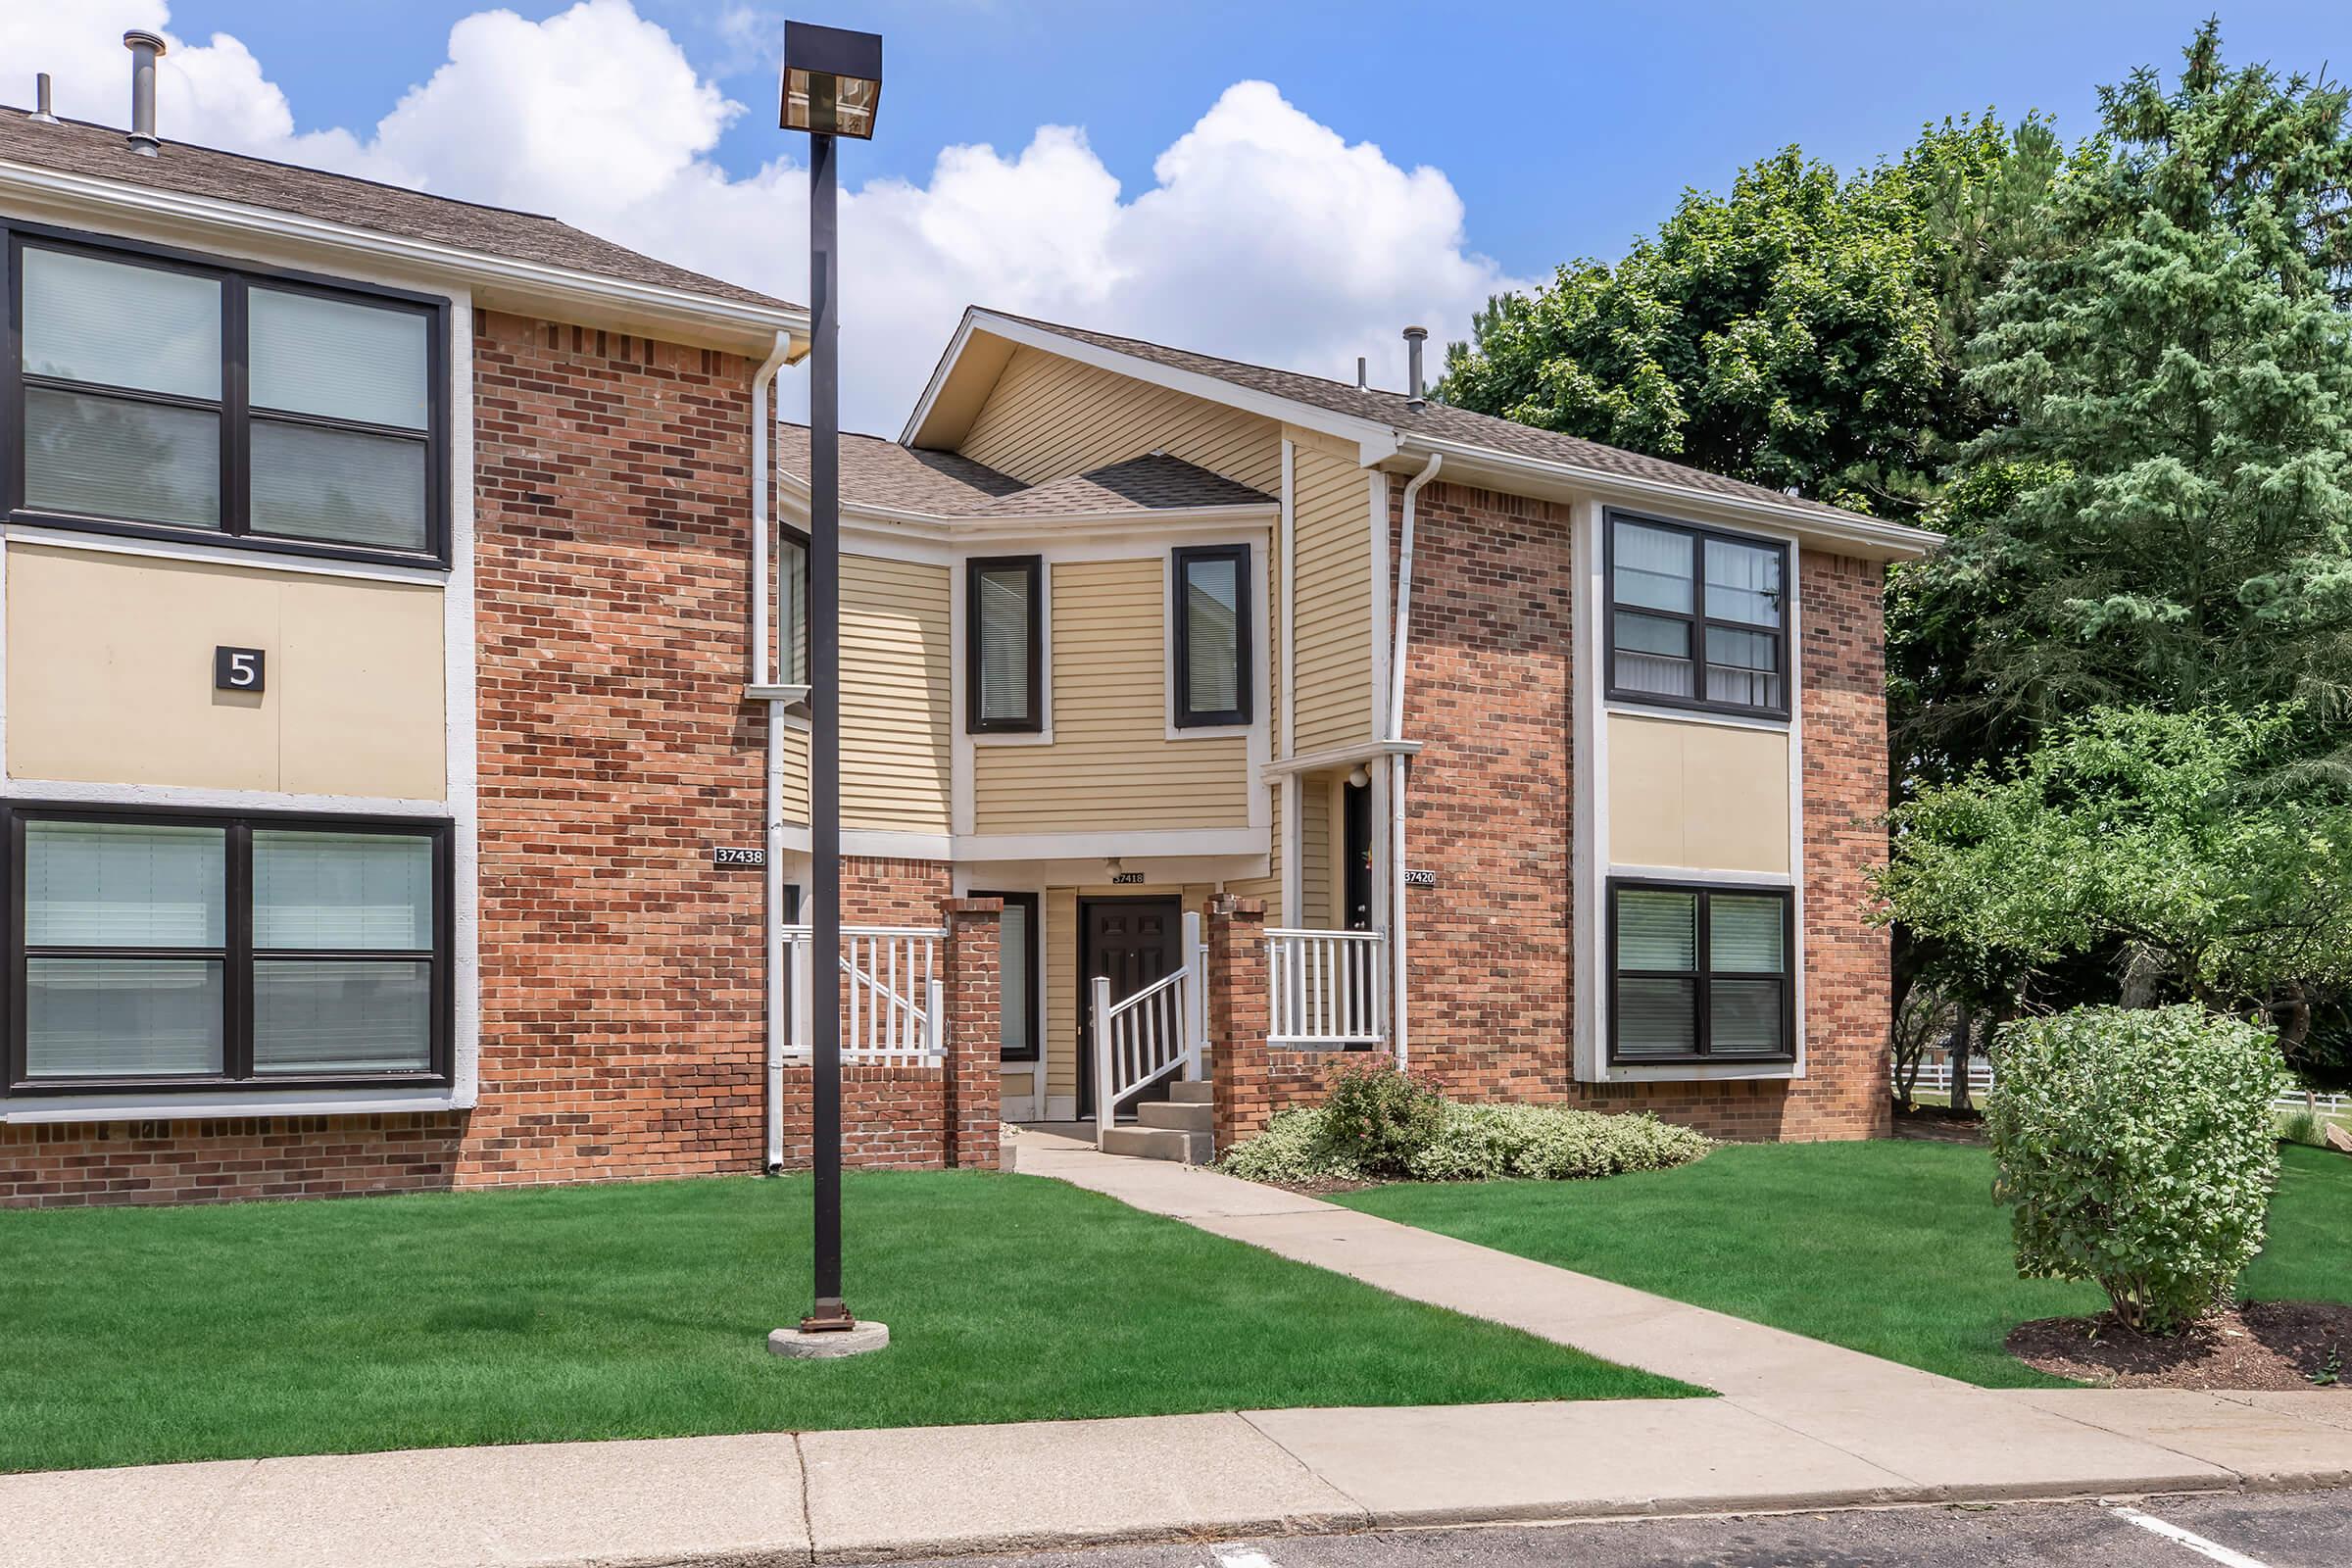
[1160, 1031]
[893, 1006]
[1330, 988]
[1936, 1077]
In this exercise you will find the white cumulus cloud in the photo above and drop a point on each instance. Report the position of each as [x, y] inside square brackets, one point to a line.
[1265, 236]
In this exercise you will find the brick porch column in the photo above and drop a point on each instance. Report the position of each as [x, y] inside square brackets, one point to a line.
[1237, 1017]
[971, 978]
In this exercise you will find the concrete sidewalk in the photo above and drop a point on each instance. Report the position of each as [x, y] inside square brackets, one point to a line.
[842, 1497]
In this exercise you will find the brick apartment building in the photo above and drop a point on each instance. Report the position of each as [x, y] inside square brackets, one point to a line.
[403, 752]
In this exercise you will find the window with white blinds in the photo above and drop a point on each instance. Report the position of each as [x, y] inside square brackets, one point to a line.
[156, 950]
[1701, 973]
[1697, 619]
[1004, 638]
[159, 391]
[1212, 635]
[1016, 1001]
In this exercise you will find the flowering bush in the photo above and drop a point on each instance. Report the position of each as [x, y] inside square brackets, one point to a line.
[2138, 1148]
[1469, 1143]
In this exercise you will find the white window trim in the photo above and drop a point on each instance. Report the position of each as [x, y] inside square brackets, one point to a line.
[1589, 922]
[460, 809]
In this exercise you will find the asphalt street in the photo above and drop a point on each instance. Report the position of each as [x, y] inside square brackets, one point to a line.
[2300, 1530]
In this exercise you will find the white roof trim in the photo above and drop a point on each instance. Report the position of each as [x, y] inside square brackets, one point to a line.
[1895, 538]
[1378, 441]
[951, 524]
[535, 277]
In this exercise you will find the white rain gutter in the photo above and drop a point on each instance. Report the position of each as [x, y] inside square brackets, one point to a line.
[759, 683]
[1398, 760]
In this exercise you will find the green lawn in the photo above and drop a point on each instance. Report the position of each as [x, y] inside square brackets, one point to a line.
[1892, 1248]
[137, 1335]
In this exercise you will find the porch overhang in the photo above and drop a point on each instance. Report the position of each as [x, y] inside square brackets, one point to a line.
[1337, 757]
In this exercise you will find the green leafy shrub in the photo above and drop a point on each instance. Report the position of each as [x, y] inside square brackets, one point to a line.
[1474, 1143]
[2137, 1148]
[1381, 1118]
[1551, 1142]
[1293, 1151]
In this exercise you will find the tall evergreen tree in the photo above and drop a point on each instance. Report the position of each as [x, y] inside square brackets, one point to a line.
[2163, 513]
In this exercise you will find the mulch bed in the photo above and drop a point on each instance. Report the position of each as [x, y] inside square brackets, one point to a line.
[2263, 1345]
[1938, 1124]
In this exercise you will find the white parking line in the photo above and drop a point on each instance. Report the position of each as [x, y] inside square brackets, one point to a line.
[2183, 1538]
[1243, 1557]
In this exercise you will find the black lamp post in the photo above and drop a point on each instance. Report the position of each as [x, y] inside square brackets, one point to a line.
[832, 87]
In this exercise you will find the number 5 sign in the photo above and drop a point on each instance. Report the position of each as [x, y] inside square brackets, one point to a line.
[237, 670]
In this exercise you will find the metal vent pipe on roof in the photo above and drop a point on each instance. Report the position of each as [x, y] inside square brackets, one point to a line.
[42, 111]
[1362, 375]
[144, 49]
[1416, 395]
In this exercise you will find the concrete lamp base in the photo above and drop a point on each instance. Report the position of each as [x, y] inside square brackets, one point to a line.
[803, 1345]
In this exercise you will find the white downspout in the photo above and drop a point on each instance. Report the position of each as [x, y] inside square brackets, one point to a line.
[761, 675]
[1396, 760]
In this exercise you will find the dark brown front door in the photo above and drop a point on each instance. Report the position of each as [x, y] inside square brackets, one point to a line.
[1131, 940]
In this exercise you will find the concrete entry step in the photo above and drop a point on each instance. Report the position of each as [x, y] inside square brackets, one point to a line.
[1191, 1092]
[1185, 1116]
[1159, 1143]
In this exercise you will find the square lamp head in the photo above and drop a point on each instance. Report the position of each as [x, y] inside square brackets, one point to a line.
[832, 80]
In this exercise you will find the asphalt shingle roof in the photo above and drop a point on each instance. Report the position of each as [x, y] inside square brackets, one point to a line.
[1434, 420]
[102, 152]
[882, 473]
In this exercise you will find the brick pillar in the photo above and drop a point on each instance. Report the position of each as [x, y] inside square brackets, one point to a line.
[971, 978]
[1237, 1017]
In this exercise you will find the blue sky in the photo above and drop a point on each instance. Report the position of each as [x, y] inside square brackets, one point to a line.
[1565, 127]
[1286, 181]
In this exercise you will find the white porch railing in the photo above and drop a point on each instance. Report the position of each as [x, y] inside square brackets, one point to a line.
[1330, 988]
[1158, 1030]
[893, 1006]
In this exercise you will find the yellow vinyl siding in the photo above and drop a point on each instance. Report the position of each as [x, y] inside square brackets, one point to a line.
[1332, 549]
[1048, 416]
[1315, 852]
[1060, 1044]
[895, 695]
[1267, 888]
[794, 789]
[1111, 764]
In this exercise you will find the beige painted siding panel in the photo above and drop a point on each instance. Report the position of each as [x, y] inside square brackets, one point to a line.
[1111, 765]
[110, 677]
[1701, 797]
[895, 695]
[1048, 416]
[1331, 512]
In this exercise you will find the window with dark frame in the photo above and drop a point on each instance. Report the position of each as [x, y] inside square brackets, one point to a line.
[1697, 618]
[1212, 635]
[1016, 1007]
[155, 949]
[1701, 973]
[792, 606]
[160, 394]
[1004, 645]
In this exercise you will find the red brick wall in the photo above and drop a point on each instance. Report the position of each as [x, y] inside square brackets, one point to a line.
[621, 977]
[215, 1161]
[1489, 807]
[622, 983]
